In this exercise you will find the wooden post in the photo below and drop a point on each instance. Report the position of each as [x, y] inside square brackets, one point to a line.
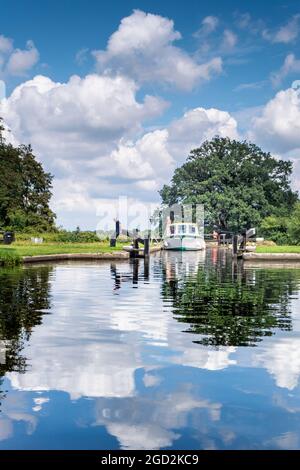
[112, 242]
[117, 228]
[234, 245]
[146, 246]
[135, 274]
[160, 225]
[135, 252]
[194, 213]
[146, 268]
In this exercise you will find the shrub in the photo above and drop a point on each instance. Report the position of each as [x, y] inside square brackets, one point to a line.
[293, 225]
[283, 230]
[61, 236]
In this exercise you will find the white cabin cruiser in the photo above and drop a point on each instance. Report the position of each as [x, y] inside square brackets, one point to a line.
[183, 236]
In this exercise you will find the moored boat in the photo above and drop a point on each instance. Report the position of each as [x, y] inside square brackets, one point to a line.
[183, 236]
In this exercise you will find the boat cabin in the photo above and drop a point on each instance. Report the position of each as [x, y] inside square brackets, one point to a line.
[182, 229]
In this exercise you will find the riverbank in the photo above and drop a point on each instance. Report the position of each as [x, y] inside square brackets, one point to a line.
[19, 253]
[273, 257]
[278, 249]
[273, 254]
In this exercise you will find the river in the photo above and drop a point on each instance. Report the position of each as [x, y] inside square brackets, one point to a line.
[187, 351]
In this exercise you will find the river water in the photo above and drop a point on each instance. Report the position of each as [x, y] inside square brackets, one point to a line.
[188, 351]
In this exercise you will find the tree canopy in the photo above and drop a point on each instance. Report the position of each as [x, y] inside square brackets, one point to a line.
[237, 182]
[25, 189]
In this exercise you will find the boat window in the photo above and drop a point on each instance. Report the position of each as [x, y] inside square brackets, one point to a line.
[172, 229]
[181, 228]
[192, 229]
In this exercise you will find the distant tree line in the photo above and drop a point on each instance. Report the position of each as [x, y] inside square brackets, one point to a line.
[240, 186]
[25, 189]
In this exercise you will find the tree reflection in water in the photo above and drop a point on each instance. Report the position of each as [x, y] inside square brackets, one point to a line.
[228, 305]
[24, 299]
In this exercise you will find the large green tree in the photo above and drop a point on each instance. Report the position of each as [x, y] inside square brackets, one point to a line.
[25, 189]
[237, 182]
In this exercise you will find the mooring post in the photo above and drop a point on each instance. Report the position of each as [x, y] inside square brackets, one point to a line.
[135, 252]
[146, 268]
[113, 239]
[160, 225]
[194, 213]
[234, 245]
[146, 246]
[244, 240]
[135, 273]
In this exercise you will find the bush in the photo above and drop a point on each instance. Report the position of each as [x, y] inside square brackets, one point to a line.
[65, 236]
[293, 225]
[76, 236]
[61, 236]
[283, 230]
[274, 228]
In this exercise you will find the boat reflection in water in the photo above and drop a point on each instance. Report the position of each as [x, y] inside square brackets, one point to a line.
[185, 350]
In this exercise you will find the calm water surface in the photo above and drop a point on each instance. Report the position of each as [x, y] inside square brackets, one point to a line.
[189, 352]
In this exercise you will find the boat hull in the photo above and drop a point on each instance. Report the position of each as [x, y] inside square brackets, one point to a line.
[184, 243]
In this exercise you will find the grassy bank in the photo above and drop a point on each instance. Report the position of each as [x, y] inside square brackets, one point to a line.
[12, 254]
[9, 258]
[278, 249]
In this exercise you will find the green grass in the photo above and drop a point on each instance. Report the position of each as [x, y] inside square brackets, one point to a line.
[278, 249]
[9, 257]
[19, 249]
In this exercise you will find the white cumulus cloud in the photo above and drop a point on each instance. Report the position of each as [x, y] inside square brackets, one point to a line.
[89, 133]
[157, 153]
[142, 47]
[77, 113]
[290, 65]
[6, 45]
[278, 125]
[14, 61]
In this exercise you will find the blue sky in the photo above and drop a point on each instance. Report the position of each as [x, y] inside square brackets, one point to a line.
[153, 79]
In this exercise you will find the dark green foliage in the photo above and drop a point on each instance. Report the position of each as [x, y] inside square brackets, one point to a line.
[237, 182]
[66, 236]
[60, 236]
[25, 190]
[283, 230]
